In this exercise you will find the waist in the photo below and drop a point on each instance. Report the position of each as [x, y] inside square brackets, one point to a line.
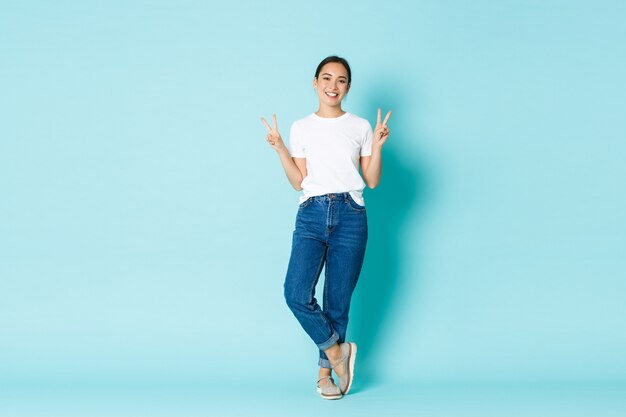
[331, 197]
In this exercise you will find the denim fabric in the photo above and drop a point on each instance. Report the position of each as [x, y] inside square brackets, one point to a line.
[331, 230]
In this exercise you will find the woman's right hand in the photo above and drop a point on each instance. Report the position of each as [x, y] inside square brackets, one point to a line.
[273, 137]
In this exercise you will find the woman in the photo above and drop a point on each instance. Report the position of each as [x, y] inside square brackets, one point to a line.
[325, 149]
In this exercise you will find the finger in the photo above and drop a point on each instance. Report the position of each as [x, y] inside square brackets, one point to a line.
[378, 117]
[386, 118]
[269, 129]
[275, 122]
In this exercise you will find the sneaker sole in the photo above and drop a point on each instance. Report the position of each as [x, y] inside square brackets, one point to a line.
[329, 397]
[351, 367]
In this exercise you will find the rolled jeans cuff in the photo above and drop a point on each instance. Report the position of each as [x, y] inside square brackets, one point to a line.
[324, 363]
[334, 338]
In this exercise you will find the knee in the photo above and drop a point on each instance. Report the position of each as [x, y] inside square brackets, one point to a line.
[294, 298]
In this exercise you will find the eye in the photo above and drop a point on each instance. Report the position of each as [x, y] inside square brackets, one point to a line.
[326, 78]
[342, 81]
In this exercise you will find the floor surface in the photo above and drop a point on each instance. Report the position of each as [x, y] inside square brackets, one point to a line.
[298, 398]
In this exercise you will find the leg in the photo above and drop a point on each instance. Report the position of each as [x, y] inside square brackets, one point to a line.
[307, 259]
[342, 274]
[345, 255]
[343, 267]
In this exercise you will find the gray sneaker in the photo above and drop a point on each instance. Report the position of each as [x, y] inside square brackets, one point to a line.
[329, 391]
[346, 363]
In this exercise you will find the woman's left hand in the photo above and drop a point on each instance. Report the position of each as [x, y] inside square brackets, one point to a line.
[381, 133]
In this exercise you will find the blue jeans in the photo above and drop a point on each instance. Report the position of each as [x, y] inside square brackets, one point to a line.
[330, 230]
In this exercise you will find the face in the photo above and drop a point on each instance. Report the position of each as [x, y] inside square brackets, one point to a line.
[332, 84]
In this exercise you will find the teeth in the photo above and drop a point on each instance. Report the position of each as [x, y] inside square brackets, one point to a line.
[332, 94]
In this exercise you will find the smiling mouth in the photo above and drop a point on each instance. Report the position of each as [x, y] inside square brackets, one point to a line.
[332, 95]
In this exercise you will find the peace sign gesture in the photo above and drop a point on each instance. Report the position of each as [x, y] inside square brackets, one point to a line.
[273, 137]
[381, 133]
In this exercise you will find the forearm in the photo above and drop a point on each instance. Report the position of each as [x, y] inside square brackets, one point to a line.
[374, 169]
[291, 170]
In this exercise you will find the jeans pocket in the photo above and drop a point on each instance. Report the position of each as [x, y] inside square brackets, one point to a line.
[305, 203]
[354, 206]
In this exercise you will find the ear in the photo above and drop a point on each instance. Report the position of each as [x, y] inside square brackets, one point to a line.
[315, 82]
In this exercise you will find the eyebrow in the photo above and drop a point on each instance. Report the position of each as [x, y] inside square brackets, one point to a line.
[341, 76]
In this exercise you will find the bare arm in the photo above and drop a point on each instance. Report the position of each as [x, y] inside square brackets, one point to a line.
[371, 166]
[295, 168]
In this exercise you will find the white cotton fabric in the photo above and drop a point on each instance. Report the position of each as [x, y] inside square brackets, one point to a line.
[332, 148]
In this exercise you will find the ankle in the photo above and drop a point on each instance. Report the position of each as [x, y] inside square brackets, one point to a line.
[333, 353]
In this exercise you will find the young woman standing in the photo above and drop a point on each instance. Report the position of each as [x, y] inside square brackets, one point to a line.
[325, 150]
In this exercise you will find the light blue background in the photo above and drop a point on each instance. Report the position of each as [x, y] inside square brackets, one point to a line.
[145, 224]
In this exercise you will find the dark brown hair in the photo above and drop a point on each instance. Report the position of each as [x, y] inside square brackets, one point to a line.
[339, 60]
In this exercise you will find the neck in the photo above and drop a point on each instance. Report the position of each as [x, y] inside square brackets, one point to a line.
[326, 111]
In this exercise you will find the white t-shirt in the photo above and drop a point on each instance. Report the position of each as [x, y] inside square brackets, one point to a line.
[332, 148]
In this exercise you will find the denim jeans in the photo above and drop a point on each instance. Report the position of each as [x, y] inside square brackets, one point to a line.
[330, 230]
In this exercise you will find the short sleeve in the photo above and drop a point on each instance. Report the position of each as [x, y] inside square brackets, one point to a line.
[296, 147]
[366, 147]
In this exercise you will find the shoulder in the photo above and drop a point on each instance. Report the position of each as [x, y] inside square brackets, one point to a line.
[359, 122]
[304, 121]
[357, 119]
[302, 125]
